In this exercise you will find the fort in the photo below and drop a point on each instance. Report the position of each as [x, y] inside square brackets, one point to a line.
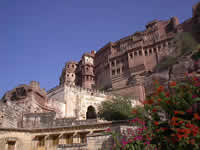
[65, 117]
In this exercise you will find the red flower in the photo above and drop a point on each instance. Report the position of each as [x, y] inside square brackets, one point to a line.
[134, 111]
[159, 100]
[160, 89]
[195, 79]
[174, 119]
[167, 94]
[156, 123]
[180, 136]
[148, 102]
[196, 116]
[173, 83]
[154, 110]
[164, 129]
[192, 141]
[178, 112]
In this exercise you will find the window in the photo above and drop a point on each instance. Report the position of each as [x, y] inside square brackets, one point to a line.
[117, 62]
[69, 139]
[122, 68]
[159, 47]
[154, 50]
[83, 138]
[113, 72]
[113, 64]
[164, 44]
[118, 71]
[41, 142]
[11, 145]
[150, 51]
[131, 55]
[174, 42]
[135, 53]
[145, 52]
[55, 140]
[140, 53]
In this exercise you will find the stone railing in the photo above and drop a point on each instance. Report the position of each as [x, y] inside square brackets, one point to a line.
[64, 122]
[78, 146]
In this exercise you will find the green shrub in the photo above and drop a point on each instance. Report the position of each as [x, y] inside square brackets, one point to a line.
[119, 108]
[185, 43]
[166, 63]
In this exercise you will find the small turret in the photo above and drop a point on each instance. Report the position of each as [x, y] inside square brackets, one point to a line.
[68, 76]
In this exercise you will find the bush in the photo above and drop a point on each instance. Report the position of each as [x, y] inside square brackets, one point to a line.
[171, 119]
[165, 63]
[119, 108]
[185, 43]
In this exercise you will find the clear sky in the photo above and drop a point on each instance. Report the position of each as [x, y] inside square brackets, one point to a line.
[37, 37]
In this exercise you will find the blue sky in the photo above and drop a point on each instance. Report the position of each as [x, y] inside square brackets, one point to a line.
[37, 37]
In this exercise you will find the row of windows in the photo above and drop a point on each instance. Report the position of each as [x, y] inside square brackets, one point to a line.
[88, 78]
[117, 62]
[148, 51]
[66, 139]
[117, 71]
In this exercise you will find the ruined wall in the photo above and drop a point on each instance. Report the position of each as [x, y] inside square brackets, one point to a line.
[20, 140]
[76, 100]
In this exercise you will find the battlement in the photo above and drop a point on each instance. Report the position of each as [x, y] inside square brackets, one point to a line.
[92, 92]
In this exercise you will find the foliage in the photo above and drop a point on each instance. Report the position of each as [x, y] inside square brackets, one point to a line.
[119, 108]
[166, 63]
[196, 56]
[185, 43]
[171, 119]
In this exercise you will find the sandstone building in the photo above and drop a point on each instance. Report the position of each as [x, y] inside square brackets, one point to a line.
[65, 117]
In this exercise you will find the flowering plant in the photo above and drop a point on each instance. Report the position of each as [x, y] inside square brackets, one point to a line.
[171, 119]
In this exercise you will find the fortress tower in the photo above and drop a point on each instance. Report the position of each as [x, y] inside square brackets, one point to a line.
[68, 76]
[87, 70]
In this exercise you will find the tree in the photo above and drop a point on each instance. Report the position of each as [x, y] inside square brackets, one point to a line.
[118, 108]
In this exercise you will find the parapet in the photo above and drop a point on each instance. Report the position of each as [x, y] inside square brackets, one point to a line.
[35, 84]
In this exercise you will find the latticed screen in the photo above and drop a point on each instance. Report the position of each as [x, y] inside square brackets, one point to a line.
[41, 142]
[55, 140]
[83, 138]
[69, 139]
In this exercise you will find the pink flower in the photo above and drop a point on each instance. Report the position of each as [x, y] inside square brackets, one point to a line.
[124, 142]
[108, 130]
[194, 96]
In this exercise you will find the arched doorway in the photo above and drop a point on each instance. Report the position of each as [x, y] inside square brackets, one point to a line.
[91, 113]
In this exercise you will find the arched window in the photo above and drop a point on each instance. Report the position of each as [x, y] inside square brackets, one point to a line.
[91, 113]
